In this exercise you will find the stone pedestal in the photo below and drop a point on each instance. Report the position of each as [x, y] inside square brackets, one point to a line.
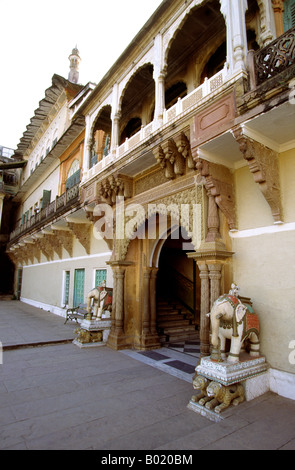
[93, 333]
[251, 372]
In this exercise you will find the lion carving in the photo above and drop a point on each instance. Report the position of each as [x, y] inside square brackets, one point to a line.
[200, 383]
[221, 396]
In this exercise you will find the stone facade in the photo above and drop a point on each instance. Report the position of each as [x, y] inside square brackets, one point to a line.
[187, 172]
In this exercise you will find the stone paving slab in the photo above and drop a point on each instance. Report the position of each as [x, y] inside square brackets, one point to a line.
[59, 397]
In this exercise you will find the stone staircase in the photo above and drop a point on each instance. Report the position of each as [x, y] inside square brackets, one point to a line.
[175, 323]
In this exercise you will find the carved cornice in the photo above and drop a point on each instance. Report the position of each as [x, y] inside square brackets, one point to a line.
[264, 165]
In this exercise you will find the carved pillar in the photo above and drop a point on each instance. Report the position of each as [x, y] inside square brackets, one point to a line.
[159, 77]
[205, 308]
[146, 302]
[150, 338]
[159, 97]
[2, 196]
[87, 148]
[115, 131]
[234, 14]
[215, 278]
[278, 8]
[119, 321]
[115, 119]
[153, 300]
[117, 339]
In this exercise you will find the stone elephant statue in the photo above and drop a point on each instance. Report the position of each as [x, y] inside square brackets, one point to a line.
[231, 319]
[99, 299]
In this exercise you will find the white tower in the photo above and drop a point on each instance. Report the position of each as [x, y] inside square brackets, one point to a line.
[74, 59]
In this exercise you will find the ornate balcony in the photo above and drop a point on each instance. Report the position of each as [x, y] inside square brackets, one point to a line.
[184, 107]
[55, 209]
[275, 58]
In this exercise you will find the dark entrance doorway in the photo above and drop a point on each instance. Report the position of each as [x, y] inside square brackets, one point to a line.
[178, 292]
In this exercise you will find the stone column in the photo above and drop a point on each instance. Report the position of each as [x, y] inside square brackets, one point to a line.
[146, 302]
[115, 119]
[159, 77]
[278, 8]
[117, 339]
[160, 97]
[234, 14]
[205, 308]
[87, 148]
[149, 338]
[153, 300]
[2, 196]
[215, 278]
[120, 276]
[115, 132]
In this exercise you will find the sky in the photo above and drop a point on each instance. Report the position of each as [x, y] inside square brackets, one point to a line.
[37, 37]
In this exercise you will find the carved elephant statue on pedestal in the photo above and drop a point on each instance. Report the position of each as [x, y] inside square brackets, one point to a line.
[231, 319]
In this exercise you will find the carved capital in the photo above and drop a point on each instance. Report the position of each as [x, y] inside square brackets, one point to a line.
[263, 164]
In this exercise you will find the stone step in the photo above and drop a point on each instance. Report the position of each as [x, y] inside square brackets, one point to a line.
[174, 324]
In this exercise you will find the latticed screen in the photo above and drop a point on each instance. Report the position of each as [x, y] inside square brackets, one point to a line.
[100, 275]
[289, 14]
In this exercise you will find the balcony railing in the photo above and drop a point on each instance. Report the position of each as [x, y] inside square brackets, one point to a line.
[275, 57]
[54, 209]
[182, 107]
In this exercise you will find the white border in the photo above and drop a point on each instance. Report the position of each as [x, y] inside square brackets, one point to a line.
[67, 260]
[255, 232]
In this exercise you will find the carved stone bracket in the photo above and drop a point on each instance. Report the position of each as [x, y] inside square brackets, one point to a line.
[219, 183]
[114, 186]
[44, 245]
[174, 155]
[83, 233]
[62, 239]
[263, 164]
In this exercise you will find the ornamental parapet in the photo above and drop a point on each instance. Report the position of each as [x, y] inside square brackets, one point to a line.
[56, 208]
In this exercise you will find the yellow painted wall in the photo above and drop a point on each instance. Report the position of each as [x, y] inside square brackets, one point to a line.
[264, 260]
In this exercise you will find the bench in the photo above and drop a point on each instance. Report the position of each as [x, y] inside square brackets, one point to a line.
[75, 313]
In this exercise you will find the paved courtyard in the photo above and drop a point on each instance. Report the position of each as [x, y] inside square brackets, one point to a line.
[58, 396]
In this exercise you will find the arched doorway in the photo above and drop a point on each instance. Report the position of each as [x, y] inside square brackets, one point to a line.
[178, 292]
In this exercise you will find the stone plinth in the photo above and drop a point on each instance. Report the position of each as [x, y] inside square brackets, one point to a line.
[93, 333]
[228, 373]
[250, 372]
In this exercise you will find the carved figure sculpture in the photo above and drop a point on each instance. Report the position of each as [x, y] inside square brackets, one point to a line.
[97, 299]
[232, 319]
[201, 383]
[224, 396]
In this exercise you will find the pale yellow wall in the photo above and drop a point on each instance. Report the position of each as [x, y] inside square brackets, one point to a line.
[48, 182]
[287, 180]
[264, 260]
[252, 209]
[43, 282]
[263, 267]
